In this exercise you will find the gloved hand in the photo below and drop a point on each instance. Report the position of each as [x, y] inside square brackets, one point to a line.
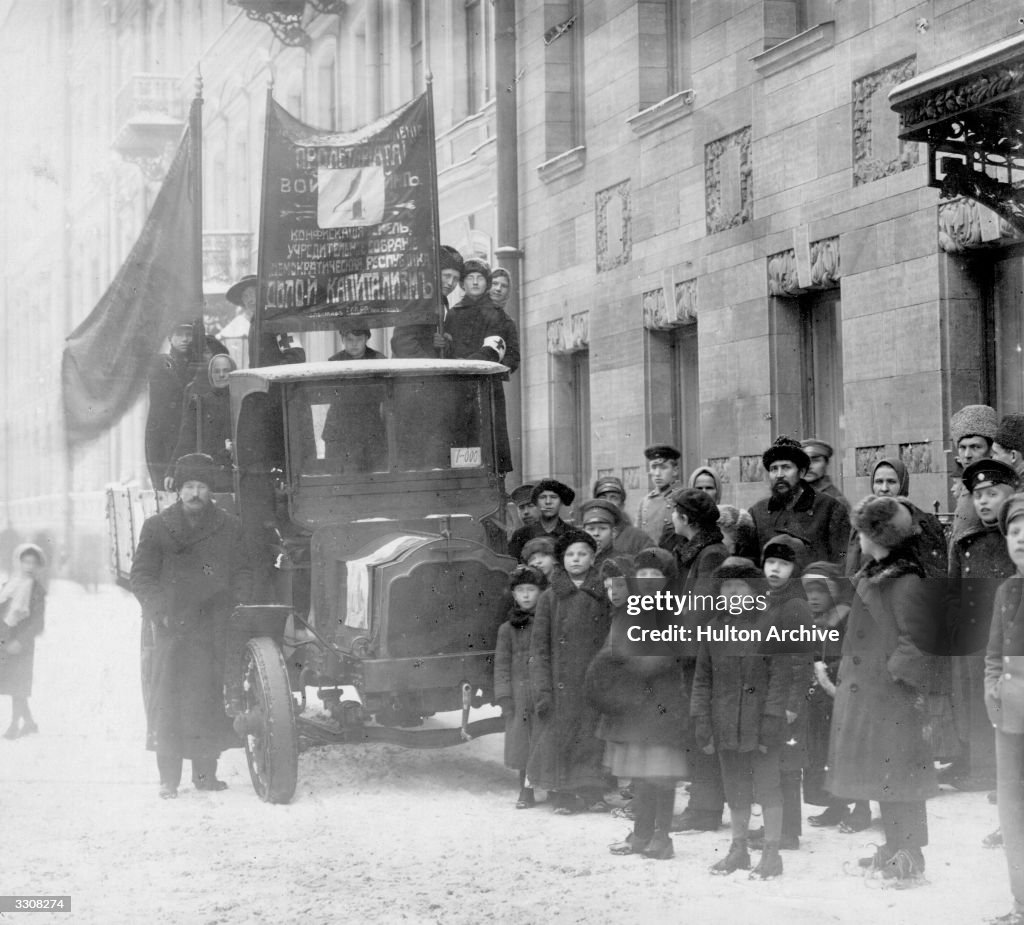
[542, 705]
[770, 732]
[496, 344]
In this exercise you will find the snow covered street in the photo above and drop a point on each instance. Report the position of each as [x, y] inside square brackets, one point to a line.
[377, 833]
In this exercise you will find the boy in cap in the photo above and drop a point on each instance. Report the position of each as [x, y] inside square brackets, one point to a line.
[795, 507]
[972, 430]
[979, 564]
[654, 516]
[354, 346]
[522, 498]
[549, 495]
[600, 519]
[1004, 699]
[817, 476]
[629, 540]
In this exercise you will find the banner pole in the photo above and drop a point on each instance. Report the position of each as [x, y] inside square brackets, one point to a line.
[256, 328]
[435, 206]
[195, 119]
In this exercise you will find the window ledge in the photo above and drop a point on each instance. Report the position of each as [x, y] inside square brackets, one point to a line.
[662, 113]
[799, 47]
[563, 164]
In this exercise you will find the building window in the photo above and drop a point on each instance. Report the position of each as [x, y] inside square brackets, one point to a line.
[570, 418]
[327, 93]
[821, 367]
[417, 44]
[1001, 328]
[479, 54]
[785, 18]
[673, 399]
[664, 50]
[564, 86]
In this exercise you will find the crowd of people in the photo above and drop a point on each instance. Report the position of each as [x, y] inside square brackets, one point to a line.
[918, 684]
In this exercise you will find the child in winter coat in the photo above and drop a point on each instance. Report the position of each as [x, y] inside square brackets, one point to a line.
[738, 708]
[512, 675]
[539, 553]
[569, 629]
[645, 710]
[827, 594]
[1004, 700]
[22, 614]
[783, 558]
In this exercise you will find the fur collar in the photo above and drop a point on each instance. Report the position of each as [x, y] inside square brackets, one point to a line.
[700, 541]
[563, 586]
[804, 499]
[519, 618]
[899, 562]
[184, 534]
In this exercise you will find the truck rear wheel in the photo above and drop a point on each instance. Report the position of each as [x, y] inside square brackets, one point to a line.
[270, 736]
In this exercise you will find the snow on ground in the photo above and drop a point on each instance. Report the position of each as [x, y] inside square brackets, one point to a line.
[378, 833]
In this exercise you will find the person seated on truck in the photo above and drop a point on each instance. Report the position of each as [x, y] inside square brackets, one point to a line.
[354, 341]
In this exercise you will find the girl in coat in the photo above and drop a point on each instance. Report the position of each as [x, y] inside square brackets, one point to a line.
[1004, 700]
[738, 709]
[23, 607]
[512, 675]
[639, 689]
[878, 749]
[570, 627]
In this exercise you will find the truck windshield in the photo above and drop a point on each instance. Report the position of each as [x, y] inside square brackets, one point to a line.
[364, 426]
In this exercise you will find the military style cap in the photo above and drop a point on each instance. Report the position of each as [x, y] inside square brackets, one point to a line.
[662, 451]
[813, 442]
[522, 494]
[597, 510]
[609, 483]
[987, 472]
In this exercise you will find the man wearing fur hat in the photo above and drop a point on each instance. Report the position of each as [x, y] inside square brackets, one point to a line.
[549, 495]
[420, 341]
[979, 563]
[972, 430]
[820, 454]
[629, 540]
[795, 507]
[654, 516]
[1008, 445]
[189, 571]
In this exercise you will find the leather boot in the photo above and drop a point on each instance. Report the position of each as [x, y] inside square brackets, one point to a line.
[738, 858]
[770, 865]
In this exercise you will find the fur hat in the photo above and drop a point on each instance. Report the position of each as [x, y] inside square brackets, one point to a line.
[984, 473]
[234, 294]
[813, 442]
[538, 544]
[609, 483]
[973, 421]
[787, 547]
[742, 569]
[573, 536]
[662, 451]
[831, 576]
[599, 510]
[564, 492]
[195, 467]
[884, 520]
[697, 505]
[1013, 507]
[785, 448]
[1010, 435]
[730, 517]
[451, 259]
[476, 265]
[524, 575]
[523, 494]
[618, 567]
[657, 558]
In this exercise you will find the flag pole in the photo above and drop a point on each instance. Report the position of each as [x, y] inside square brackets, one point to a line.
[256, 328]
[195, 119]
[435, 206]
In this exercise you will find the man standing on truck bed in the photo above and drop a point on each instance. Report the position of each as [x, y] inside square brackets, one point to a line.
[189, 571]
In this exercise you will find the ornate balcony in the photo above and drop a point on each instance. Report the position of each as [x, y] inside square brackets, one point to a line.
[150, 116]
[227, 256]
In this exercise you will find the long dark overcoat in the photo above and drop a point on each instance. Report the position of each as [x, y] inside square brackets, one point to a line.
[167, 384]
[512, 685]
[188, 578]
[735, 687]
[878, 749]
[821, 521]
[16, 670]
[569, 629]
[205, 425]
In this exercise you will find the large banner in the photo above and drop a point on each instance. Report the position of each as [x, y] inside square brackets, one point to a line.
[348, 229]
[108, 357]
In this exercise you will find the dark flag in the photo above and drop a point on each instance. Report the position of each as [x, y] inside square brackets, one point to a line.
[108, 357]
[349, 223]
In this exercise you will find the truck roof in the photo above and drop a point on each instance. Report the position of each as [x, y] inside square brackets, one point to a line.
[359, 369]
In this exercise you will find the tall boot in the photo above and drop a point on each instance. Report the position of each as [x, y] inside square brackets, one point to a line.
[644, 809]
[660, 846]
[770, 865]
[204, 774]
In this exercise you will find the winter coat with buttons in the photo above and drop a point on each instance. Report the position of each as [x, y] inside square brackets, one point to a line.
[820, 521]
[1004, 659]
[878, 749]
[512, 684]
[978, 566]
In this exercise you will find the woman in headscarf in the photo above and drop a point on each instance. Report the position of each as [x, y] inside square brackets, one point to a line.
[22, 613]
[206, 421]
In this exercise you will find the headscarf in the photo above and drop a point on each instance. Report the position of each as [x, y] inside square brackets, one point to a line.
[16, 594]
[704, 470]
[901, 474]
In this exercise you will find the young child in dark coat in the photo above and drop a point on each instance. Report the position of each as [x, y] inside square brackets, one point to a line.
[783, 559]
[512, 674]
[22, 617]
[569, 629]
[645, 709]
[738, 708]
